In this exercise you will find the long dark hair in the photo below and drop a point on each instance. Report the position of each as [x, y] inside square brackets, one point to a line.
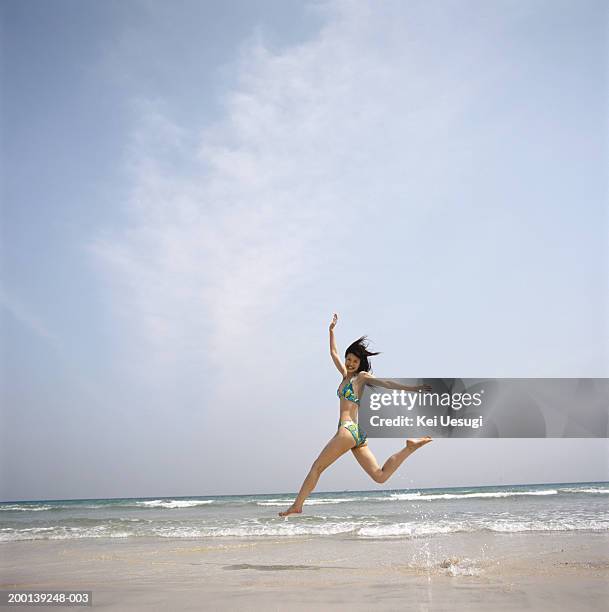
[359, 348]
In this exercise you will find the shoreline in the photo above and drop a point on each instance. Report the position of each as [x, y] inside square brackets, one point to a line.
[474, 571]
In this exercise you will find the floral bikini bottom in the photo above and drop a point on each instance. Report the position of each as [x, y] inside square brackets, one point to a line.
[359, 435]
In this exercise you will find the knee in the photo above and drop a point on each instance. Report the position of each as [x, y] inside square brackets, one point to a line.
[380, 477]
[317, 468]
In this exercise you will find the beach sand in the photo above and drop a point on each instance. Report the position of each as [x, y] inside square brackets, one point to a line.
[481, 571]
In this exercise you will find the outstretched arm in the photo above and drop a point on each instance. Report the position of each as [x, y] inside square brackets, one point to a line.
[334, 351]
[390, 384]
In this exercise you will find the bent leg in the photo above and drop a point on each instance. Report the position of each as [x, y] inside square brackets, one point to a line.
[336, 447]
[368, 461]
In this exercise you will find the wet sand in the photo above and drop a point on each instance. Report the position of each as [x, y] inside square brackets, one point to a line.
[488, 571]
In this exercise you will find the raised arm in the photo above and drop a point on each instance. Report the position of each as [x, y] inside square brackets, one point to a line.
[334, 351]
[390, 384]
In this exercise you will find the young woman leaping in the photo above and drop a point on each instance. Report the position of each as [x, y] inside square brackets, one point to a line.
[349, 436]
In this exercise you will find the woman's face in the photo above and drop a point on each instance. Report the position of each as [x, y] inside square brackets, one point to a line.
[352, 363]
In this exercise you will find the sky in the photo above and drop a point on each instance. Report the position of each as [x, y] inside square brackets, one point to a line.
[191, 189]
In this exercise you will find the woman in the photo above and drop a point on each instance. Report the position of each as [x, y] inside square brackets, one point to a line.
[356, 374]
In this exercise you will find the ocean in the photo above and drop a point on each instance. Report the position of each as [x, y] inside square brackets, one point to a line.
[394, 514]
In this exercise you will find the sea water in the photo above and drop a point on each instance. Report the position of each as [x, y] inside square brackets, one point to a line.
[403, 513]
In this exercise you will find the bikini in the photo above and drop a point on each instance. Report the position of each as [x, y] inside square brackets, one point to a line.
[359, 435]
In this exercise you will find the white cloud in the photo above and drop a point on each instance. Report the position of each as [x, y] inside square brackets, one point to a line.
[328, 154]
[27, 317]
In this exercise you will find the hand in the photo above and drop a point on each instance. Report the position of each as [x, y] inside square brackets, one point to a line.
[334, 320]
[425, 387]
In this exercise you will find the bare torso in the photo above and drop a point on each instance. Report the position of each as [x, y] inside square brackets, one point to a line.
[347, 408]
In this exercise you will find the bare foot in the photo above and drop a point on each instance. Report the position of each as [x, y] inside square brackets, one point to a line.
[414, 444]
[291, 510]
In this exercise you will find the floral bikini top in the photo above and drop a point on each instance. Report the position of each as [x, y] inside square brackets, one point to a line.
[348, 393]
